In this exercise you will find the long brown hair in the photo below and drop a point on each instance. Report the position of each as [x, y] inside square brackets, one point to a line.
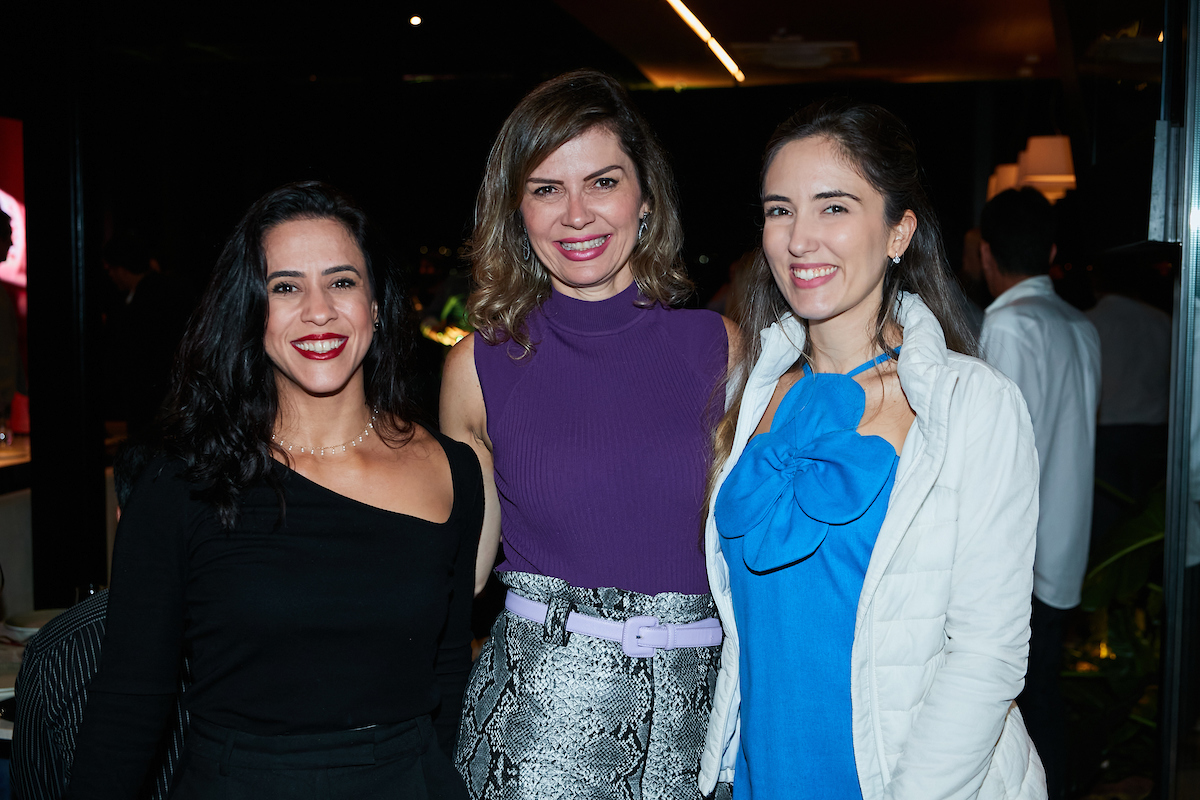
[878, 145]
[508, 285]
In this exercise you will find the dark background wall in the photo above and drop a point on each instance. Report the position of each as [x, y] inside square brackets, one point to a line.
[184, 124]
[180, 160]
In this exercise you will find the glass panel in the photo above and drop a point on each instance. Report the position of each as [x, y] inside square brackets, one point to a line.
[1180, 693]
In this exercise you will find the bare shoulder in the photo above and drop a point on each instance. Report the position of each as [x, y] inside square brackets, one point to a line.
[733, 333]
[420, 482]
[461, 407]
[392, 446]
[460, 380]
[461, 359]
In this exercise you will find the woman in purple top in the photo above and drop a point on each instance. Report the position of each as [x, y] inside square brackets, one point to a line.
[590, 400]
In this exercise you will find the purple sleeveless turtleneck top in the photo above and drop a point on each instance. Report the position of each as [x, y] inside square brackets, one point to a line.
[600, 440]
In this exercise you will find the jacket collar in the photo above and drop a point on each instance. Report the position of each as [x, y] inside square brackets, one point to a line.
[1036, 286]
[922, 357]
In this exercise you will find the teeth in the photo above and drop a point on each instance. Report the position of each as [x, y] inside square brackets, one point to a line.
[809, 274]
[588, 245]
[320, 345]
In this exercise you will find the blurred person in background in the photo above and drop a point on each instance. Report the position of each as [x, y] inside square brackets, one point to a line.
[729, 300]
[589, 399]
[1051, 350]
[143, 330]
[1135, 383]
[970, 278]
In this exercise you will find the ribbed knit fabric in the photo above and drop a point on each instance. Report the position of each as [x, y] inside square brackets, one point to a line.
[601, 440]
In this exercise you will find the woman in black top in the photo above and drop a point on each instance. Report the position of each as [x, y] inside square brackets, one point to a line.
[304, 542]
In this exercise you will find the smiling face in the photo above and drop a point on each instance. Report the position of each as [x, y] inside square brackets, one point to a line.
[581, 208]
[825, 235]
[320, 314]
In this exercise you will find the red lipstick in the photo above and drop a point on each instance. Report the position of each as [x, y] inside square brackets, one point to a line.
[316, 355]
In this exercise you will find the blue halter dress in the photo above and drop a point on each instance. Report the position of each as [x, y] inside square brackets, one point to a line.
[798, 516]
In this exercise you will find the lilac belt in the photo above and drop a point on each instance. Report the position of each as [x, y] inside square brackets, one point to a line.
[639, 636]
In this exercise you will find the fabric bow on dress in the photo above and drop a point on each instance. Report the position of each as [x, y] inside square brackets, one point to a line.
[814, 453]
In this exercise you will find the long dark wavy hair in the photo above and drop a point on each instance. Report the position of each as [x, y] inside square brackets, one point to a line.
[223, 402]
[878, 145]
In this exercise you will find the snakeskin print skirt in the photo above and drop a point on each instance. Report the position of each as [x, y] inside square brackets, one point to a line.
[554, 715]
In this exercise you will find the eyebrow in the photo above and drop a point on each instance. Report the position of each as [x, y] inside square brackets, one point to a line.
[595, 174]
[292, 273]
[778, 198]
[600, 172]
[828, 195]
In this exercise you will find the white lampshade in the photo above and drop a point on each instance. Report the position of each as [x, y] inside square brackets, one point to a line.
[1046, 165]
[1046, 159]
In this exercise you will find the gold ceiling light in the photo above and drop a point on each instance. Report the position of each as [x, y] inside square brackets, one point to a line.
[687, 16]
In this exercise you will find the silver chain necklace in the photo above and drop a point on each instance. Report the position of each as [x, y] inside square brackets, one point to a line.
[337, 448]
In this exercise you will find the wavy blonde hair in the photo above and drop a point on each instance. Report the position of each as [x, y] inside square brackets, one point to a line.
[507, 285]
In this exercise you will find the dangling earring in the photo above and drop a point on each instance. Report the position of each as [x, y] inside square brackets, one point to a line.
[642, 228]
[895, 259]
[525, 248]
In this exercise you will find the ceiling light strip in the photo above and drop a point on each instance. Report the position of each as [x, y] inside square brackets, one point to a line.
[692, 22]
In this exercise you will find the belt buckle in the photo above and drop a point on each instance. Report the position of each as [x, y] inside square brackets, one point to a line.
[630, 637]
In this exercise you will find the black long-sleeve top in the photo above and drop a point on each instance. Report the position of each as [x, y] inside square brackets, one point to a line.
[345, 616]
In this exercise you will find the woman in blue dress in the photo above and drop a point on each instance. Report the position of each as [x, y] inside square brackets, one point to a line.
[874, 500]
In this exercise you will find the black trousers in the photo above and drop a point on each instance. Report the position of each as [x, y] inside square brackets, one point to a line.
[401, 761]
[1041, 701]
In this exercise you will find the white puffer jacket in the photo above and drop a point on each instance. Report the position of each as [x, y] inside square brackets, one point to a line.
[941, 635]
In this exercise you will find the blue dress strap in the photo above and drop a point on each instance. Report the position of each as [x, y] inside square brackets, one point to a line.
[877, 360]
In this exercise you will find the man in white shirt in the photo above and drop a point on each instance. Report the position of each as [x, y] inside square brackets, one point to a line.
[1135, 361]
[1052, 352]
